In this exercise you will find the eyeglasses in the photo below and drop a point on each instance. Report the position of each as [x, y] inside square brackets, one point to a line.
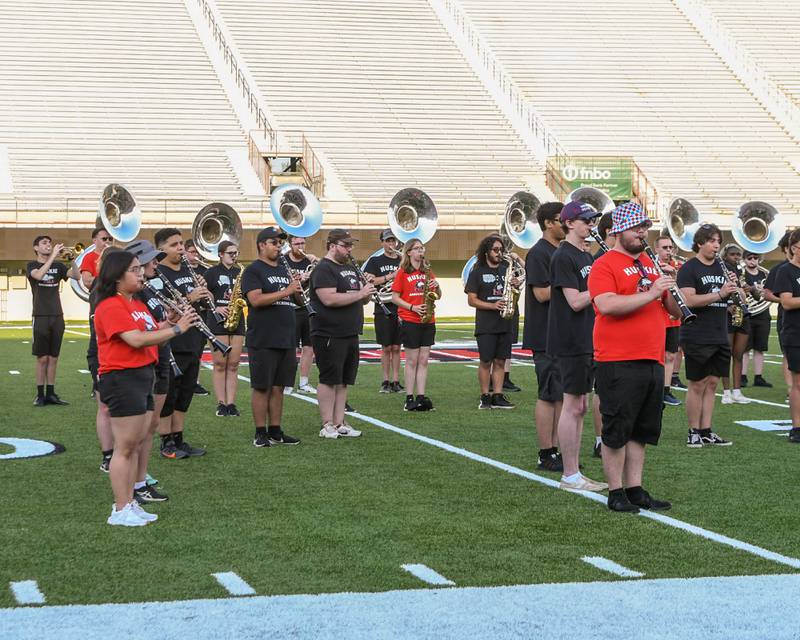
[278, 242]
[139, 269]
[345, 245]
[233, 254]
[644, 283]
[496, 249]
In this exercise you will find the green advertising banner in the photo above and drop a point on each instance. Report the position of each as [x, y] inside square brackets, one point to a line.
[611, 174]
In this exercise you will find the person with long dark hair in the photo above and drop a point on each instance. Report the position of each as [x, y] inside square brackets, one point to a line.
[127, 339]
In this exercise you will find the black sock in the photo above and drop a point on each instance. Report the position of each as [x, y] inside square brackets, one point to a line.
[107, 454]
[617, 493]
[178, 438]
[410, 397]
[40, 390]
[50, 389]
[634, 493]
[274, 430]
[506, 376]
[420, 397]
[544, 454]
[666, 390]
[385, 382]
[165, 439]
[261, 430]
[704, 432]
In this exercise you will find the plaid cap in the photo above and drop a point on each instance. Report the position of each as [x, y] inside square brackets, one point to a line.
[628, 215]
[577, 210]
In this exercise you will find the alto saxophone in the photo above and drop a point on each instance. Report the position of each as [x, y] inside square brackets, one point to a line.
[510, 291]
[236, 304]
[430, 295]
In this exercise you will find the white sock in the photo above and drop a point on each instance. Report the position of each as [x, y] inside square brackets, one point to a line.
[303, 381]
[138, 485]
[726, 392]
[573, 478]
[598, 440]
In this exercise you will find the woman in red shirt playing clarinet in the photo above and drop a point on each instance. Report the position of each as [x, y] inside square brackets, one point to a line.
[414, 278]
[127, 339]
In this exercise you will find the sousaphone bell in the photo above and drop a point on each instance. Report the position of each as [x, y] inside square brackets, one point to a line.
[215, 223]
[296, 210]
[683, 221]
[412, 215]
[758, 227]
[119, 214]
[599, 200]
[520, 225]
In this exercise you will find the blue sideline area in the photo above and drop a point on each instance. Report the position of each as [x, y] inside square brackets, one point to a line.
[703, 608]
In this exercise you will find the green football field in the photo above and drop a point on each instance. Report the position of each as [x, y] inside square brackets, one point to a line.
[345, 515]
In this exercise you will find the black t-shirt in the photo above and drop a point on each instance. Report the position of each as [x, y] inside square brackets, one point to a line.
[537, 274]
[711, 325]
[569, 333]
[488, 283]
[192, 341]
[91, 350]
[769, 283]
[219, 280]
[380, 266]
[270, 327]
[159, 313]
[300, 266]
[46, 295]
[788, 281]
[335, 322]
[753, 279]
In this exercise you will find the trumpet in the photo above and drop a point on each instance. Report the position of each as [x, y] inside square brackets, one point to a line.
[70, 253]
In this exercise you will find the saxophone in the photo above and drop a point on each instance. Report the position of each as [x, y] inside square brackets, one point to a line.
[236, 304]
[511, 292]
[430, 295]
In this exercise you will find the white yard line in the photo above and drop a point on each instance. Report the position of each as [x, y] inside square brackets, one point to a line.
[426, 574]
[604, 564]
[756, 400]
[27, 592]
[233, 584]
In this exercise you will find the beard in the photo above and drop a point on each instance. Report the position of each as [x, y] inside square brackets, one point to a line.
[631, 245]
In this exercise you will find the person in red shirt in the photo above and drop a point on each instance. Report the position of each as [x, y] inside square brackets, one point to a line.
[629, 298]
[417, 337]
[664, 251]
[127, 339]
[90, 264]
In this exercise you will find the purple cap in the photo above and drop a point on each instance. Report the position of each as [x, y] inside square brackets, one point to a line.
[627, 216]
[577, 210]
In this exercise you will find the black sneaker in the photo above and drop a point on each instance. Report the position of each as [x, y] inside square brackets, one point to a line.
[713, 439]
[677, 383]
[105, 465]
[671, 400]
[386, 387]
[597, 450]
[510, 386]
[39, 401]
[551, 462]
[499, 401]
[261, 440]
[693, 440]
[743, 381]
[189, 450]
[794, 435]
[149, 494]
[644, 500]
[200, 390]
[282, 438]
[347, 407]
[621, 503]
[233, 412]
[758, 381]
[410, 404]
[486, 401]
[396, 387]
[424, 404]
[222, 410]
[54, 399]
[169, 450]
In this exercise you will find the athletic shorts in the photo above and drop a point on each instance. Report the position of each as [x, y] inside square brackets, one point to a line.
[162, 371]
[631, 401]
[181, 390]
[337, 359]
[414, 335]
[272, 368]
[745, 328]
[127, 392]
[548, 377]
[218, 328]
[703, 360]
[387, 329]
[494, 346]
[671, 342]
[48, 333]
[792, 358]
[577, 373]
[302, 328]
[760, 326]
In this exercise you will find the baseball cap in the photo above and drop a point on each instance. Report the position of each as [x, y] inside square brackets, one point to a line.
[386, 234]
[340, 235]
[628, 215]
[269, 233]
[577, 210]
[145, 251]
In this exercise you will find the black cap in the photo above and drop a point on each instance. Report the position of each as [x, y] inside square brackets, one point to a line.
[340, 235]
[269, 233]
[386, 234]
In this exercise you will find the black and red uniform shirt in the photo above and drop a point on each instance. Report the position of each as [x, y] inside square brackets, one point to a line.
[411, 287]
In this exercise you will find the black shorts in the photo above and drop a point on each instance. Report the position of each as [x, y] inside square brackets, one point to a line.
[703, 360]
[48, 333]
[577, 373]
[631, 401]
[218, 328]
[760, 326]
[744, 328]
[302, 328]
[671, 342]
[792, 358]
[337, 359]
[548, 377]
[272, 368]
[128, 392]
[162, 370]
[181, 388]
[387, 329]
[494, 346]
[414, 335]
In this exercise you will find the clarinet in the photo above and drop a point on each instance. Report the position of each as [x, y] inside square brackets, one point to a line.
[375, 298]
[208, 303]
[177, 303]
[687, 317]
[735, 280]
[303, 293]
[600, 242]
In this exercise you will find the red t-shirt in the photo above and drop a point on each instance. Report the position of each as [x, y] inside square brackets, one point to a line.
[89, 263]
[117, 315]
[672, 322]
[411, 287]
[639, 335]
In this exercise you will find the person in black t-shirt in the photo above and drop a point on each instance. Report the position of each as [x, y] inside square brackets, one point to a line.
[303, 264]
[760, 322]
[268, 288]
[534, 335]
[738, 335]
[787, 288]
[195, 262]
[185, 348]
[338, 297]
[220, 280]
[387, 328]
[706, 349]
[45, 275]
[484, 289]
[570, 321]
[769, 285]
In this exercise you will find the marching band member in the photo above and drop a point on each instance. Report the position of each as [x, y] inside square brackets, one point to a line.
[569, 336]
[603, 227]
[45, 275]
[300, 261]
[760, 323]
[387, 328]
[185, 349]
[127, 336]
[220, 280]
[269, 289]
[663, 249]
[89, 265]
[484, 291]
[193, 257]
[706, 348]
[629, 334]
[408, 296]
[534, 335]
[338, 298]
[738, 335]
[769, 285]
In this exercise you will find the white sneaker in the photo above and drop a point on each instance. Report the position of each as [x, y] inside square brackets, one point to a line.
[738, 398]
[583, 484]
[141, 513]
[726, 397]
[306, 388]
[329, 430]
[346, 431]
[288, 390]
[125, 517]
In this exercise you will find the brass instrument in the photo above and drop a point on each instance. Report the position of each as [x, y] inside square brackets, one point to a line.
[756, 302]
[385, 290]
[683, 221]
[519, 221]
[71, 253]
[599, 200]
[758, 227]
[214, 224]
[738, 303]
[236, 304]
[412, 215]
[511, 292]
[77, 284]
[119, 214]
[430, 294]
